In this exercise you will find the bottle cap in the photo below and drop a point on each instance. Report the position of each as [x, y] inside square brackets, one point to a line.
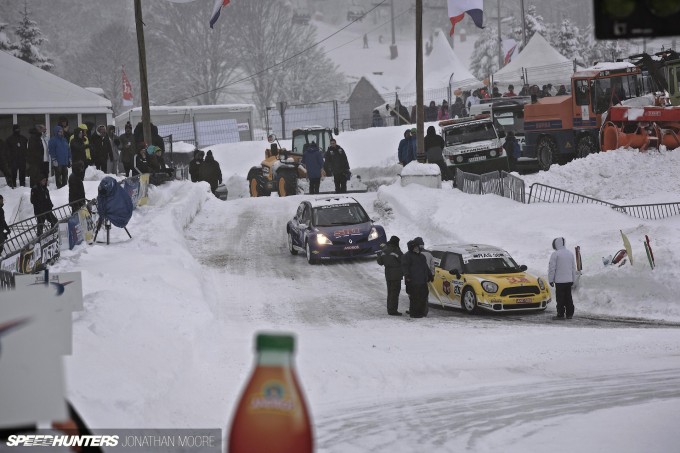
[277, 342]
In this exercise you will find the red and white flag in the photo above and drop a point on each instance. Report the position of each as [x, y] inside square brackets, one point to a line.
[219, 4]
[474, 9]
[127, 90]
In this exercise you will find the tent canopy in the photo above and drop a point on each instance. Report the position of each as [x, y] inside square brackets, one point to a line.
[27, 89]
[442, 66]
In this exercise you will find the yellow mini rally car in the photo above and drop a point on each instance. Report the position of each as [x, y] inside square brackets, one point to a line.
[473, 276]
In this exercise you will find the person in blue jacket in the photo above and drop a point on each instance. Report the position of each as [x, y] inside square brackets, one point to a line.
[407, 149]
[312, 159]
[60, 154]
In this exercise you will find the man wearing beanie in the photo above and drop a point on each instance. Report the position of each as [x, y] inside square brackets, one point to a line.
[390, 257]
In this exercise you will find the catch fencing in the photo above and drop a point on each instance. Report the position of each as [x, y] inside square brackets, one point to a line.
[500, 183]
[283, 118]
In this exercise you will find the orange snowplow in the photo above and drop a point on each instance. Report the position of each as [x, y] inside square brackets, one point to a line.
[641, 128]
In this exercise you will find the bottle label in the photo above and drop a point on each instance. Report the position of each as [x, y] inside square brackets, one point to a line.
[272, 398]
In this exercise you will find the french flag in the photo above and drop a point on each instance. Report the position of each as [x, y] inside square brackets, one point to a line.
[219, 4]
[474, 9]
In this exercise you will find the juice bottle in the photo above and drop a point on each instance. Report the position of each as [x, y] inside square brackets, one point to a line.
[271, 416]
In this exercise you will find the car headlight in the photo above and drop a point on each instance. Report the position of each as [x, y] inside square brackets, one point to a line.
[321, 239]
[541, 284]
[373, 234]
[489, 287]
[493, 153]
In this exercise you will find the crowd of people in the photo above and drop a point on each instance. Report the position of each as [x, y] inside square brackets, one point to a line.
[460, 107]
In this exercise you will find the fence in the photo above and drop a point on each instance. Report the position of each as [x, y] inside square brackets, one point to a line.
[496, 182]
[651, 211]
[325, 114]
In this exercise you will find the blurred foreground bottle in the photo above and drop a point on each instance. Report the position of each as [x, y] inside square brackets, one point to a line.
[271, 416]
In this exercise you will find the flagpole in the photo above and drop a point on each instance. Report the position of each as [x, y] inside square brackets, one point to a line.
[146, 115]
[420, 141]
[500, 48]
[524, 25]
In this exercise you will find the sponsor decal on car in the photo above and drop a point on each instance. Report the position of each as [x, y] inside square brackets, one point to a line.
[347, 232]
[515, 280]
[352, 247]
[526, 300]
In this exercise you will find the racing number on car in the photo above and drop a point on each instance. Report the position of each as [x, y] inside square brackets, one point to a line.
[456, 289]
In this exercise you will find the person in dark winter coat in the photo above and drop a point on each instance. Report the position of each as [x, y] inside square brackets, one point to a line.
[195, 165]
[562, 274]
[313, 162]
[17, 149]
[60, 153]
[416, 275]
[37, 157]
[76, 188]
[407, 152]
[336, 164]
[400, 114]
[127, 149]
[431, 112]
[377, 120]
[140, 163]
[458, 108]
[512, 149]
[390, 257]
[42, 204]
[430, 263]
[100, 147]
[77, 146]
[434, 145]
[63, 122]
[4, 228]
[210, 171]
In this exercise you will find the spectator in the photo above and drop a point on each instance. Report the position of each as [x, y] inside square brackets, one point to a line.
[434, 145]
[458, 108]
[139, 136]
[431, 112]
[127, 149]
[42, 204]
[157, 162]
[390, 257]
[195, 165]
[376, 120]
[101, 148]
[152, 160]
[416, 275]
[60, 153]
[17, 147]
[495, 93]
[4, 228]
[140, 163]
[473, 100]
[210, 172]
[510, 92]
[76, 188]
[545, 92]
[525, 90]
[406, 151]
[37, 157]
[400, 114]
[430, 264]
[5, 167]
[562, 91]
[156, 139]
[336, 164]
[112, 164]
[87, 160]
[512, 149]
[561, 274]
[443, 113]
[63, 122]
[313, 162]
[77, 145]
[551, 90]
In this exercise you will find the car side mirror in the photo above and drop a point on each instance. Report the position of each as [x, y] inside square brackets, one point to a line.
[455, 272]
[523, 267]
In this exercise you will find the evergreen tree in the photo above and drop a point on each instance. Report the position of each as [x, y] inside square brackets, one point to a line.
[29, 41]
[534, 23]
[484, 60]
[568, 41]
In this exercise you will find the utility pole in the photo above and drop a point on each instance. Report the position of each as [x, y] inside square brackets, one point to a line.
[420, 141]
[500, 47]
[146, 115]
[524, 25]
[394, 53]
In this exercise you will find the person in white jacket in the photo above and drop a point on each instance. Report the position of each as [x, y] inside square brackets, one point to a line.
[561, 275]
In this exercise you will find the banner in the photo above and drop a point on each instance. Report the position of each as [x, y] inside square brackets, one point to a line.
[127, 90]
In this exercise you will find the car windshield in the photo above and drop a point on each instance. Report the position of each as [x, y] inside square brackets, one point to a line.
[469, 134]
[500, 265]
[347, 214]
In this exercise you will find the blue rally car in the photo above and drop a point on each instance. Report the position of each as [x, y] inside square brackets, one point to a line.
[333, 228]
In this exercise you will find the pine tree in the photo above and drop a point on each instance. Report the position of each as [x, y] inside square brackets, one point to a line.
[534, 23]
[568, 42]
[484, 60]
[29, 41]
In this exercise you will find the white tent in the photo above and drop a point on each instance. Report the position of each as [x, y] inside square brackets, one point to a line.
[442, 66]
[27, 89]
[539, 62]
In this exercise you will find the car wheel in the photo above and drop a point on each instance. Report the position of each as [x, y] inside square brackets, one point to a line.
[290, 244]
[310, 258]
[545, 151]
[585, 146]
[253, 188]
[469, 301]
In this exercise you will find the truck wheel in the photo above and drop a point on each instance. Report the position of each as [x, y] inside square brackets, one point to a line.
[585, 146]
[287, 184]
[253, 188]
[545, 151]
